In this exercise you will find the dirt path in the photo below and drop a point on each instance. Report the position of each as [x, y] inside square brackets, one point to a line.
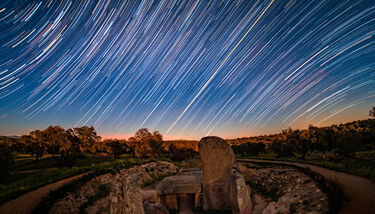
[360, 191]
[27, 203]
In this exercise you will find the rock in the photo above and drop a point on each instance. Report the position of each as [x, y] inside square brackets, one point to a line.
[170, 201]
[114, 199]
[170, 190]
[239, 192]
[216, 156]
[132, 197]
[154, 208]
[296, 192]
[178, 184]
[72, 202]
[224, 188]
[149, 195]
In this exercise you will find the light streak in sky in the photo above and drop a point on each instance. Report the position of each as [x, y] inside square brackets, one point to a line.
[214, 74]
[187, 68]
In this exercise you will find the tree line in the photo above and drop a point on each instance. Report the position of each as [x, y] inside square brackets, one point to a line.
[80, 142]
[343, 139]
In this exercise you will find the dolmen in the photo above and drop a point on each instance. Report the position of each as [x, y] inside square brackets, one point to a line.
[218, 186]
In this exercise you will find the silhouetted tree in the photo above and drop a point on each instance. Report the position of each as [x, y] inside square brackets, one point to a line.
[88, 139]
[6, 159]
[146, 144]
[34, 143]
[372, 112]
[116, 147]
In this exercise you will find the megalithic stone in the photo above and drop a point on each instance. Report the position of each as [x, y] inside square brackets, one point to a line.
[223, 185]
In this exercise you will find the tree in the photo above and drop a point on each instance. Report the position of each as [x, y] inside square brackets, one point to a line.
[347, 143]
[322, 139]
[116, 147]
[180, 154]
[34, 143]
[146, 144]
[249, 148]
[58, 140]
[88, 139]
[6, 159]
[302, 142]
[282, 144]
[372, 112]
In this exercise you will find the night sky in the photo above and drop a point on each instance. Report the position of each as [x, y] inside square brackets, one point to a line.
[186, 68]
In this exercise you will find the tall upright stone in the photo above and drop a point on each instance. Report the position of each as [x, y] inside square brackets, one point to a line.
[216, 156]
[224, 187]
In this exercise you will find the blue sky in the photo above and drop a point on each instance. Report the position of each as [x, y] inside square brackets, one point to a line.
[186, 68]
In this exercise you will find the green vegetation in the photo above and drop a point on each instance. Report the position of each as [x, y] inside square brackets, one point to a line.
[345, 147]
[155, 179]
[103, 191]
[108, 167]
[45, 156]
[6, 160]
[10, 190]
[53, 196]
[23, 185]
[354, 166]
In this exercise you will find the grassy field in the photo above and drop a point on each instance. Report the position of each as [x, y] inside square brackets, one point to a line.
[27, 162]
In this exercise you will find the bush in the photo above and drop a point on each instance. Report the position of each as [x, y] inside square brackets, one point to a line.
[249, 148]
[6, 160]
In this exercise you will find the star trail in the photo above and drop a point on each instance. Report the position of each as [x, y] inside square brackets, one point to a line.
[186, 68]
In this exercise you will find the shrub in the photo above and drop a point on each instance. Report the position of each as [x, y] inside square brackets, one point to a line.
[6, 160]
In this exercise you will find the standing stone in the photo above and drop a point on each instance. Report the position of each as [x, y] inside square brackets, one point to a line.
[216, 156]
[224, 188]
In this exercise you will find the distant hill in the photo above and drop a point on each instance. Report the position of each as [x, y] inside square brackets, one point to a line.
[12, 136]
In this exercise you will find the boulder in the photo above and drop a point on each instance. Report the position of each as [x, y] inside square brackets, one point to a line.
[224, 187]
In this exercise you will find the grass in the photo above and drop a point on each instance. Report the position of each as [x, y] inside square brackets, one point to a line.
[26, 162]
[155, 179]
[6, 180]
[10, 190]
[103, 191]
